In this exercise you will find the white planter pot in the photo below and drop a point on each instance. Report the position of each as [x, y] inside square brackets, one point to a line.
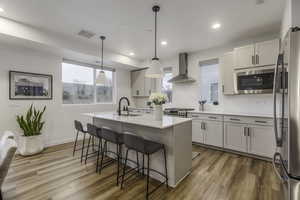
[30, 145]
[158, 112]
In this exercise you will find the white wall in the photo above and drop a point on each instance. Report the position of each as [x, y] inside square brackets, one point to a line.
[187, 95]
[59, 118]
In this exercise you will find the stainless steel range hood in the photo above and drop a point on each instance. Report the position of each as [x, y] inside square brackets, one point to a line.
[183, 71]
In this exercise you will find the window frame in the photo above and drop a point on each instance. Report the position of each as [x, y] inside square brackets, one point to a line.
[95, 68]
[164, 71]
[203, 63]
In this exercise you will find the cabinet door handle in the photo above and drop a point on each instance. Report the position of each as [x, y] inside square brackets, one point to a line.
[253, 60]
[245, 131]
[204, 126]
[201, 125]
[234, 119]
[210, 117]
[257, 59]
[248, 129]
[258, 121]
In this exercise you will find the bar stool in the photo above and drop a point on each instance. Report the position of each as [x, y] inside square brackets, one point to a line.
[146, 147]
[79, 129]
[108, 135]
[94, 132]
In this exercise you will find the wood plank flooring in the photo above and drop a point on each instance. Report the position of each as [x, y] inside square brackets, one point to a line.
[216, 175]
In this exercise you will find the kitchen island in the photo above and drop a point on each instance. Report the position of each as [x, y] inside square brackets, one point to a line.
[174, 132]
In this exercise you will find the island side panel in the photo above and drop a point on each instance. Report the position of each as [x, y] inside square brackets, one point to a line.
[182, 150]
[163, 136]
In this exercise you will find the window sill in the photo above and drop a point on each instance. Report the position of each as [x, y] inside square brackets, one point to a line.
[92, 104]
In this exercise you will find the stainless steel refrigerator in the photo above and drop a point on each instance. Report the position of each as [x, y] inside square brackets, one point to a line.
[286, 93]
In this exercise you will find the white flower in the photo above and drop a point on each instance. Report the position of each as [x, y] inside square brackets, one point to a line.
[158, 98]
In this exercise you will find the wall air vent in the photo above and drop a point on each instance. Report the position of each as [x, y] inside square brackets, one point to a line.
[86, 34]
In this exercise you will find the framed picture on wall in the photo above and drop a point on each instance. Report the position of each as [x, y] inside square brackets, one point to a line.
[30, 86]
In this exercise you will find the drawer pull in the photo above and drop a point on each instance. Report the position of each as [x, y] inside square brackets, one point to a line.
[258, 121]
[234, 119]
[210, 117]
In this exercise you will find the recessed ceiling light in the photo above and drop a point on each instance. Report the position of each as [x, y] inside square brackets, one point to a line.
[216, 26]
[1, 10]
[131, 54]
[164, 42]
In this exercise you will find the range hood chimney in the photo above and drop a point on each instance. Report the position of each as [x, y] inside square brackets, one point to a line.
[183, 71]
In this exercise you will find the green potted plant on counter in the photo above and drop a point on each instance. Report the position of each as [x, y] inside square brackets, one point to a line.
[158, 99]
[31, 142]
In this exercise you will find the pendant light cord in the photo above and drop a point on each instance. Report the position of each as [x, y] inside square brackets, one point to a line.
[102, 41]
[102, 56]
[155, 9]
[155, 37]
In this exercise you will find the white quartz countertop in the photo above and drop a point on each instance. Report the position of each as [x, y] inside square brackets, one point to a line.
[233, 114]
[142, 120]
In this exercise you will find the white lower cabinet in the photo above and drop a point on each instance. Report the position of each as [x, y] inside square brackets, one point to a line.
[213, 133]
[208, 132]
[234, 136]
[197, 131]
[251, 135]
[261, 141]
[247, 138]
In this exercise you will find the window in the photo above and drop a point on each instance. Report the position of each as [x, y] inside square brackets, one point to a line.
[166, 86]
[79, 86]
[209, 81]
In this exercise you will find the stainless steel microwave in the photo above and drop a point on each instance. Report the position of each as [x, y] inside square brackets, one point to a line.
[258, 80]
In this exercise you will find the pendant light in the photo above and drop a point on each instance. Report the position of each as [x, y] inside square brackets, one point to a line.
[101, 79]
[154, 70]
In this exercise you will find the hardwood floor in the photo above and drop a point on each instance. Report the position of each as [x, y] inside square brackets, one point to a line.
[216, 175]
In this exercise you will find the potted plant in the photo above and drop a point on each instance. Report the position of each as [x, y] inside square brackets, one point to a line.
[158, 99]
[31, 142]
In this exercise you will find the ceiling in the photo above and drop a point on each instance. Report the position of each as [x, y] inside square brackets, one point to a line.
[128, 24]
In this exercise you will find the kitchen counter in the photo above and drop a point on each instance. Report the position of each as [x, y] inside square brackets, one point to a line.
[233, 114]
[174, 132]
[141, 119]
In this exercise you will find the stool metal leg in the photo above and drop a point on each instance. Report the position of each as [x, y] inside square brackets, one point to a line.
[148, 169]
[82, 147]
[166, 168]
[143, 169]
[124, 168]
[102, 156]
[93, 142]
[137, 162]
[87, 150]
[75, 144]
[98, 153]
[118, 164]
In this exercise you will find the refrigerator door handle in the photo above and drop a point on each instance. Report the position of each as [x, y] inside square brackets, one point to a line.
[278, 140]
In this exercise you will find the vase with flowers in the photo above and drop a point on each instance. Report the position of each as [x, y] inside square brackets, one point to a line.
[158, 99]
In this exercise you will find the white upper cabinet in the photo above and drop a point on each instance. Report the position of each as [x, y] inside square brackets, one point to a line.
[137, 83]
[244, 56]
[150, 86]
[142, 86]
[259, 54]
[267, 52]
[226, 69]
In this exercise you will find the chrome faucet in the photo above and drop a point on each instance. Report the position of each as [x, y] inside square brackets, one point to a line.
[120, 101]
